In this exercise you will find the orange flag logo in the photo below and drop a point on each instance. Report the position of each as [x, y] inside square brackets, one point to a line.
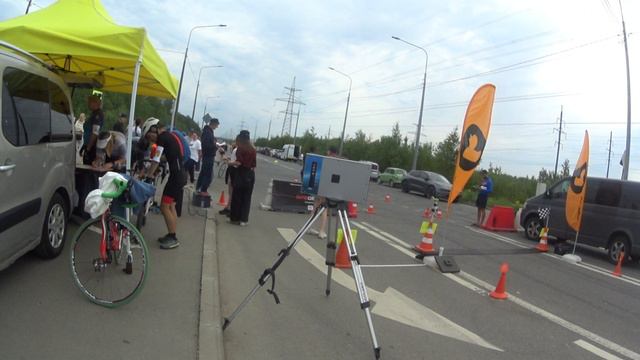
[578, 187]
[475, 133]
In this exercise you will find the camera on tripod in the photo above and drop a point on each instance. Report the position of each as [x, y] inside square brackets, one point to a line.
[335, 179]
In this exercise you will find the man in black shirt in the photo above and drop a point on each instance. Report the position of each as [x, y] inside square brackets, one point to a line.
[209, 149]
[169, 146]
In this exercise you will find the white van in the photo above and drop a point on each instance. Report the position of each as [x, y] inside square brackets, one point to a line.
[37, 157]
[375, 170]
[290, 152]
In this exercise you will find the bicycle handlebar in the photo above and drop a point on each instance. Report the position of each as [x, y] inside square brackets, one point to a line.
[121, 186]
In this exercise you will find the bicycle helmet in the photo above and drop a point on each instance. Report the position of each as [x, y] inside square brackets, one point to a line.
[148, 124]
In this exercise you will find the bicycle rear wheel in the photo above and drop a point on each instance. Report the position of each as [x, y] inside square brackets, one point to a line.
[116, 280]
[222, 169]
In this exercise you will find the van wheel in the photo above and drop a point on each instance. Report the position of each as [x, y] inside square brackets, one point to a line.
[617, 245]
[532, 227]
[54, 228]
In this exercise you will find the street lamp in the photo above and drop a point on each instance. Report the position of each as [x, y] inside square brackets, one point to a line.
[344, 124]
[414, 164]
[193, 112]
[184, 63]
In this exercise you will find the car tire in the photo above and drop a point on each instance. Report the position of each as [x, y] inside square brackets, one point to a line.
[405, 187]
[532, 227]
[54, 228]
[429, 192]
[617, 244]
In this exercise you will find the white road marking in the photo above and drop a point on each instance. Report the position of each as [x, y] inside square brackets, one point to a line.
[590, 267]
[595, 350]
[481, 287]
[392, 304]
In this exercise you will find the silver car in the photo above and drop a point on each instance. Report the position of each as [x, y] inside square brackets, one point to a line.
[37, 157]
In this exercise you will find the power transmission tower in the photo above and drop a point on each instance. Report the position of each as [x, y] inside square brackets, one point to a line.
[555, 172]
[291, 100]
[609, 157]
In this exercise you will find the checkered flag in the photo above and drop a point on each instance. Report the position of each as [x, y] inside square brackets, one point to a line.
[543, 213]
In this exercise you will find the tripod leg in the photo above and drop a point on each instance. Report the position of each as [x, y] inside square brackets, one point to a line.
[361, 287]
[269, 273]
[330, 259]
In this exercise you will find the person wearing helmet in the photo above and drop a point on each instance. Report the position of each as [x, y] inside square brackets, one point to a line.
[169, 147]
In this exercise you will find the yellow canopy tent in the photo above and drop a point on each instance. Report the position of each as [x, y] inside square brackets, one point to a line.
[81, 38]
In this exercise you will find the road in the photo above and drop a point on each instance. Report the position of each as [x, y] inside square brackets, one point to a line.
[555, 310]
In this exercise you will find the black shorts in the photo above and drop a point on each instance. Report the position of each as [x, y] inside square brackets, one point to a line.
[173, 188]
[481, 201]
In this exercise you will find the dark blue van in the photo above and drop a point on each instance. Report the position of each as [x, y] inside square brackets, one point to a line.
[611, 217]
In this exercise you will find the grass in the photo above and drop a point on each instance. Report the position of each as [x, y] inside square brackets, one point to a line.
[469, 197]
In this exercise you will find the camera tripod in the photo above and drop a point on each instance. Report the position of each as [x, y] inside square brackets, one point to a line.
[340, 209]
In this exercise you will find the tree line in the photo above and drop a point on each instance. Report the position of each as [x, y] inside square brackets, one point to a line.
[114, 104]
[395, 151]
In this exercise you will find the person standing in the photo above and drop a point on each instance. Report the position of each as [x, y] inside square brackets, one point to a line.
[229, 157]
[196, 151]
[484, 189]
[243, 181]
[209, 149]
[169, 146]
[91, 129]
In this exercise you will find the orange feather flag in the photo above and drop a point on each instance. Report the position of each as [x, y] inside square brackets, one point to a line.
[475, 133]
[578, 187]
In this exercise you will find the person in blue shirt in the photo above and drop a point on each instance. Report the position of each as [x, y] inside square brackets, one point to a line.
[484, 189]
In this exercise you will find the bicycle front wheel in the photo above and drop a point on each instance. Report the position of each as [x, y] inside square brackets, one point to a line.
[114, 279]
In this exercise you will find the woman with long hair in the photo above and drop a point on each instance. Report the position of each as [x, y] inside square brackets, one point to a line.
[244, 179]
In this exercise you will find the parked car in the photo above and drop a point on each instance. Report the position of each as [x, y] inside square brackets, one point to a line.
[375, 170]
[427, 183]
[392, 176]
[610, 218]
[37, 157]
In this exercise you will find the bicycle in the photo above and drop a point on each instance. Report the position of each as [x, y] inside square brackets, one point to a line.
[138, 172]
[222, 169]
[109, 257]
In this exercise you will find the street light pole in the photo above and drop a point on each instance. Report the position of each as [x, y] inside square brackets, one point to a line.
[414, 164]
[195, 100]
[184, 63]
[626, 157]
[346, 112]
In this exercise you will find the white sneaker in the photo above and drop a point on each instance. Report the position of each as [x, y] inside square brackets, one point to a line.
[313, 232]
[322, 235]
[243, 223]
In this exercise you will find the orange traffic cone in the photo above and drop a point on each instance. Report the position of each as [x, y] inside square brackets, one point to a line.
[371, 209]
[499, 292]
[426, 245]
[352, 209]
[222, 201]
[618, 269]
[387, 199]
[342, 256]
[543, 245]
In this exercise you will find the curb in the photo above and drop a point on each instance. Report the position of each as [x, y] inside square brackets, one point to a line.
[210, 344]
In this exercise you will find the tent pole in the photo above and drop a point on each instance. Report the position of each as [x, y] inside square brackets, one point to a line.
[132, 110]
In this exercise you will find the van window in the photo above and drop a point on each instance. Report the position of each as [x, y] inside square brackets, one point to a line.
[30, 95]
[607, 193]
[61, 123]
[11, 127]
[559, 191]
[631, 195]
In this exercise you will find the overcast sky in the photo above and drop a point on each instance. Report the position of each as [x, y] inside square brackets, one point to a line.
[541, 55]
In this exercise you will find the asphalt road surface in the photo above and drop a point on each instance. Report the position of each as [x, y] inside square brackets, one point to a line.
[555, 310]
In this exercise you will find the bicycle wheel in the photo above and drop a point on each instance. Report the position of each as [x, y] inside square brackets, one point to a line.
[118, 278]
